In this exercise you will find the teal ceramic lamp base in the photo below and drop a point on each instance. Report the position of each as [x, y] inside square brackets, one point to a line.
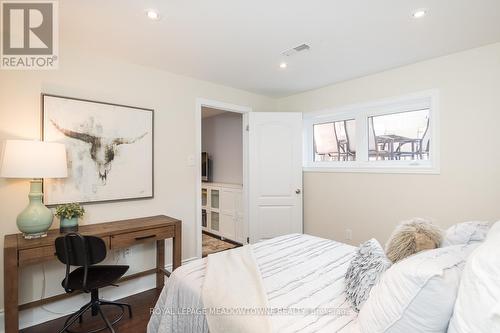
[36, 219]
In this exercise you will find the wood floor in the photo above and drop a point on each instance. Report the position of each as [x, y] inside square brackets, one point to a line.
[141, 304]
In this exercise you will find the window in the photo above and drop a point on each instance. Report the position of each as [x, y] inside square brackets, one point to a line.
[399, 136]
[396, 135]
[335, 141]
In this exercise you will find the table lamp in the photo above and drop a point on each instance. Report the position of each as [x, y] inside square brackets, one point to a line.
[34, 160]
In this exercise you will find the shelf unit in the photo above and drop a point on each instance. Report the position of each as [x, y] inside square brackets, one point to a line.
[222, 210]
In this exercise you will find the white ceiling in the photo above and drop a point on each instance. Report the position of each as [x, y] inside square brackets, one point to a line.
[239, 42]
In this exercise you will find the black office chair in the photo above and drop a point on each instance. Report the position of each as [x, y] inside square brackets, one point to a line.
[85, 251]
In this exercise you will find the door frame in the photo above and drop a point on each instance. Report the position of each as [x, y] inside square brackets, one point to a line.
[244, 110]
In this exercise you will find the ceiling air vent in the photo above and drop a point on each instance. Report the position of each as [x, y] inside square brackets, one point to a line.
[296, 49]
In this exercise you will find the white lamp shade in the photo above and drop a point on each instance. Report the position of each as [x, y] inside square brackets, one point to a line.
[33, 159]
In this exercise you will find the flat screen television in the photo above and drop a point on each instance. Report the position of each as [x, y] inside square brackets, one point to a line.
[205, 167]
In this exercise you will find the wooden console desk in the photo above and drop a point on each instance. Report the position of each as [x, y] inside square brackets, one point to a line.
[19, 252]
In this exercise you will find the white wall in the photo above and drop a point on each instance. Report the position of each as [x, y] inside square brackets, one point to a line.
[174, 99]
[469, 184]
[222, 138]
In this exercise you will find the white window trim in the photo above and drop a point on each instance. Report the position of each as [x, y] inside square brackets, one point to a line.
[360, 112]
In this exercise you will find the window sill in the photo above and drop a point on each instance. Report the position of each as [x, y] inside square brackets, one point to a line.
[390, 169]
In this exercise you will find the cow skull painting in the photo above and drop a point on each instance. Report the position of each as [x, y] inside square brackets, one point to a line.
[102, 150]
[109, 150]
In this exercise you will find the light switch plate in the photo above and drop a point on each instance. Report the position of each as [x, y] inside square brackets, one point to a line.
[190, 160]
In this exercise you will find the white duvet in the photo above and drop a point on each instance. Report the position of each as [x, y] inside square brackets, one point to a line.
[226, 272]
[303, 278]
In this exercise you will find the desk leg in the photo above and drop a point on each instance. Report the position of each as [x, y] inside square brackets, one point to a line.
[160, 264]
[11, 278]
[177, 247]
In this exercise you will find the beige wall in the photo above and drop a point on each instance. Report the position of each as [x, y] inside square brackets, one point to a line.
[469, 184]
[174, 100]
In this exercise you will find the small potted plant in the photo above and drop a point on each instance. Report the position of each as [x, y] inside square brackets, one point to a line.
[69, 214]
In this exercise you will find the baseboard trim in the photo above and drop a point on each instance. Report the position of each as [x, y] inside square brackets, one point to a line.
[185, 261]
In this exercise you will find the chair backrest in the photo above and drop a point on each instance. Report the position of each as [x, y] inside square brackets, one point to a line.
[350, 132]
[426, 138]
[372, 138]
[325, 139]
[76, 250]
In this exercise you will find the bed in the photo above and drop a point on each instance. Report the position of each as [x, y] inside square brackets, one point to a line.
[302, 274]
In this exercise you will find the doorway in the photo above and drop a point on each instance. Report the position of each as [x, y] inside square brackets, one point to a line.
[221, 203]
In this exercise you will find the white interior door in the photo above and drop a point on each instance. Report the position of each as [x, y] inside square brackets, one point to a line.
[274, 174]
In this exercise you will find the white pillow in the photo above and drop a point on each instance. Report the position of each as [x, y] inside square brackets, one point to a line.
[477, 309]
[466, 233]
[416, 294]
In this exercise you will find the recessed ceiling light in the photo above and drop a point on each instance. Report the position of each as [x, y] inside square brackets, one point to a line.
[153, 14]
[283, 65]
[419, 13]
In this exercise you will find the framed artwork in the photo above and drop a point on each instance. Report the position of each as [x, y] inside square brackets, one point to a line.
[109, 149]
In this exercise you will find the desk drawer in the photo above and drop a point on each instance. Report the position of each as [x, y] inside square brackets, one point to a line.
[36, 255]
[43, 253]
[131, 238]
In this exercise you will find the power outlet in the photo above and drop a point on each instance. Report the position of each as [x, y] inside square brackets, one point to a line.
[348, 234]
[116, 255]
[126, 253]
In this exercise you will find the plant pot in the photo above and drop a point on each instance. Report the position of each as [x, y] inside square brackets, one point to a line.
[68, 225]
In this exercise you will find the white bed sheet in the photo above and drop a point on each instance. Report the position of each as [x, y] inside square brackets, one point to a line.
[299, 272]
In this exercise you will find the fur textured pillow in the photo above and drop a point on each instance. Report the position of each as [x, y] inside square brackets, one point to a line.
[411, 237]
[364, 271]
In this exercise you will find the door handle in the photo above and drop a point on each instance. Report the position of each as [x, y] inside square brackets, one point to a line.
[297, 191]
